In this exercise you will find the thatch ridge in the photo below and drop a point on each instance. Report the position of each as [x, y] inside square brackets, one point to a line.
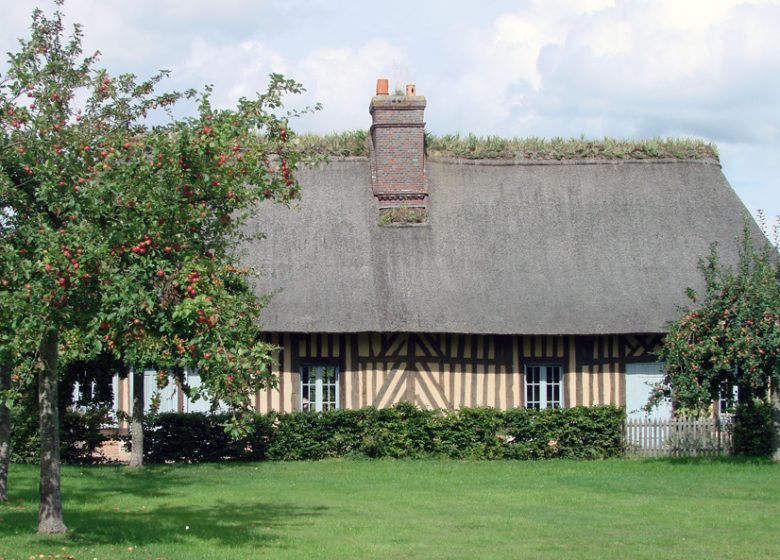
[589, 161]
[471, 146]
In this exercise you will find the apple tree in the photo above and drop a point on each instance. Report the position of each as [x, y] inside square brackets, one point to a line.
[731, 337]
[127, 234]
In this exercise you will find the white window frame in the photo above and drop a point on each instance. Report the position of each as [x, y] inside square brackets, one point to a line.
[726, 406]
[546, 373]
[319, 385]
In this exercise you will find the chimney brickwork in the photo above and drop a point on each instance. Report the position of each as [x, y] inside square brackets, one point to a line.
[397, 150]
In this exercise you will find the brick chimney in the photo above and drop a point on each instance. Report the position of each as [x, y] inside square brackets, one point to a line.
[397, 148]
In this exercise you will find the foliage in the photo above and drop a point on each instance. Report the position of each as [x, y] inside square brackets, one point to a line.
[571, 433]
[123, 237]
[197, 438]
[402, 215]
[753, 429]
[401, 431]
[472, 433]
[356, 143]
[732, 337]
[83, 419]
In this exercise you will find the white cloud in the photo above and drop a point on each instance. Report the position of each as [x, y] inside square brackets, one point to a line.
[609, 38]
[239, 69]
[691, 15]
[344, 79]
[680, 61]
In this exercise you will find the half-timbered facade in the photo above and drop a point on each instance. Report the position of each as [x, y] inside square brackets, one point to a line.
[450, 370]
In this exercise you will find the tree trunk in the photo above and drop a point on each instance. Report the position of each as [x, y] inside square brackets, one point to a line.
[50, 510]
[137, 421]
[5, 433]
[775, 395]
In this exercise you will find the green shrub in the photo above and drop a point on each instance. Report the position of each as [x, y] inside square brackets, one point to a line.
[401, 431]
[312, 436]
[572, 433]
[25, 439]
[473, 433]
[197, 438]
[82, 434]
[753, 429]
[81, 430]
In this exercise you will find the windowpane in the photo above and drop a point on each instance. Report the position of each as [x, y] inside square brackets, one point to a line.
[543, 386]
[554, 386]
[532, 389]
[307, 389]
[319, 387]
[727, 401]
[329, 374]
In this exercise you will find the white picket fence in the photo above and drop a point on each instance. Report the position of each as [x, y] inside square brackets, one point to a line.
[678, 437]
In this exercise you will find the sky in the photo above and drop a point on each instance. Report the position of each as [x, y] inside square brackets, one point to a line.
[707, 69]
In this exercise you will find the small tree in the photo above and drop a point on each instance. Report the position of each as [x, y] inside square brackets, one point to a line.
[124, 235]
[731, 338]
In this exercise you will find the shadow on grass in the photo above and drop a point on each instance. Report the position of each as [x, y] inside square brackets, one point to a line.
[93, 484]
[713, 460]
[221, 524]
[102, 516]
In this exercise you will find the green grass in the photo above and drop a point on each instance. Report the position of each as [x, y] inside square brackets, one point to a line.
[531, 148]
[349, 143]
[407, 509]
[402, 215]
[356, 143]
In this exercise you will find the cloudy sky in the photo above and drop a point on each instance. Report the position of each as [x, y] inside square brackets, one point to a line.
[622, 68]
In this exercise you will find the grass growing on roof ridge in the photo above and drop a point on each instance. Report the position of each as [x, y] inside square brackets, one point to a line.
[495, 147]
[356, 143]
[348, 143]
[613, 509]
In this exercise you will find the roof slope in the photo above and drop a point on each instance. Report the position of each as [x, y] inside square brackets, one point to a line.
[528, 248]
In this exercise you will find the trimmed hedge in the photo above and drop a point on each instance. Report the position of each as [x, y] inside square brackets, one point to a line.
[81, 436]
[753, 429]
[401, 431]
[199, 438]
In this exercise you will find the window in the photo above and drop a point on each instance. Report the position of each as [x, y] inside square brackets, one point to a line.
[543, 386]
[319, 387]
[727, 402]
[172, 397]
[728, 398]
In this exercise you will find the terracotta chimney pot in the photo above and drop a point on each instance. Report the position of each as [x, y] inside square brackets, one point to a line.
[381, 86]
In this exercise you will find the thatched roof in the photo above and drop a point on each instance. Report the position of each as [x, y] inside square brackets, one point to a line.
[583, 247]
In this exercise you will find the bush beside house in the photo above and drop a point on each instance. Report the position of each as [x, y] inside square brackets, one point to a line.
[402, 431]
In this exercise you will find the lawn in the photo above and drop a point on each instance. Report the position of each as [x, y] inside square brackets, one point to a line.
[406, 509]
